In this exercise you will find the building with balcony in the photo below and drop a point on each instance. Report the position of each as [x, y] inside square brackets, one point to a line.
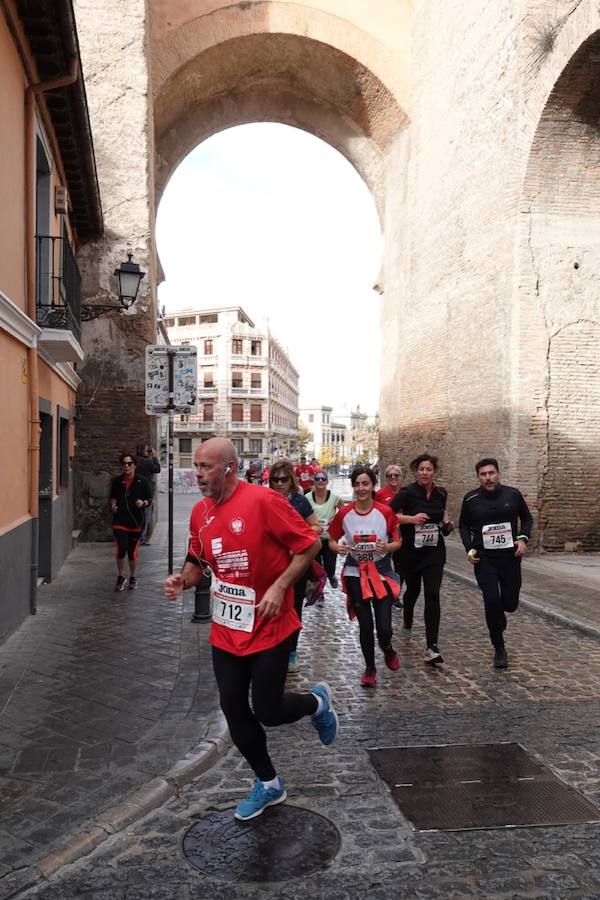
[50, 206]
[247, 386]
[328, 440]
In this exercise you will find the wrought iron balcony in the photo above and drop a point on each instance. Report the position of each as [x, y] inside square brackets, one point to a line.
[58, 285]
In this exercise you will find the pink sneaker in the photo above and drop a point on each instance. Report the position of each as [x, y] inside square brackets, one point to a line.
[369, 678]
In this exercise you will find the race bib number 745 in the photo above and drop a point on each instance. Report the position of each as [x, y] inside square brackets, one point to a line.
[497, 537]
[233, 605]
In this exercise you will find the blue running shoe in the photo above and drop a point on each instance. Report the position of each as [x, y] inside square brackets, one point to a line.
[258, 799]
[326, 722]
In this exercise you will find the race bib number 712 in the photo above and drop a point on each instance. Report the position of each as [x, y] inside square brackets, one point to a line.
[233, 605]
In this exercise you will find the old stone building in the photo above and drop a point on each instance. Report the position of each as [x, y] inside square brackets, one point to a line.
[475, 127]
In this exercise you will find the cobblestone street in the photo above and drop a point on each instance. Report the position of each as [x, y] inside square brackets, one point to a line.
[546, 700]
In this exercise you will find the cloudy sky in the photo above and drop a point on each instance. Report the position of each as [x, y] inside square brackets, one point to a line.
[271, 219]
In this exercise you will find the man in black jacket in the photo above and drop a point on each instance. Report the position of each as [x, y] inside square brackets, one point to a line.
[148, 466]
[495, 526]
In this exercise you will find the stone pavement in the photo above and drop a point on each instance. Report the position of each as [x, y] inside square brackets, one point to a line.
[99, 694]
[547, 700]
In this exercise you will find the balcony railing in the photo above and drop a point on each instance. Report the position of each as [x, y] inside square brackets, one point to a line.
[58, 285]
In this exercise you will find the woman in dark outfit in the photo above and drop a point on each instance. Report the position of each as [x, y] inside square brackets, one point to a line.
[421, 511]
[282, 479]
[130, 495]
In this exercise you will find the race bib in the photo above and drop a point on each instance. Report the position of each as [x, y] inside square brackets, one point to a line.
[233, 605]
[304, 476]
[364, 547]
[497, 537]
[427, 535]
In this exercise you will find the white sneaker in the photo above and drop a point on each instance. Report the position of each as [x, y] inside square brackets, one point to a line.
[433, 656]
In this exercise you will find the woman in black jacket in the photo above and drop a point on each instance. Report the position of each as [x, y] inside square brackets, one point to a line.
[421, 511]
[130, 495]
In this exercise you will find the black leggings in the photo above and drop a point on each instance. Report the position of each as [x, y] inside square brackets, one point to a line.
[264, 673]
[126, 543]
[327, 558]
[364, 613]
[500, 583]
[431, 576]
[299, 595]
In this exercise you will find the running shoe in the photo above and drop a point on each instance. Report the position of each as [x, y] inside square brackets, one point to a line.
[392, 660]
[334, 582]
[320, 601]
[293, 661]
[433, 655]
[398, 604]
[133, 583]
[369, 678]
[500, 658]
[326, 722]
[258, 799]
[121, 582]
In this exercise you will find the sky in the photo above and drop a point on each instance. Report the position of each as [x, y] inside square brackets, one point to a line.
[272, 219]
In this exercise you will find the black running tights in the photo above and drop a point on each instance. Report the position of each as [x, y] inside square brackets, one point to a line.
[264, 673]
[364, 613]
[431, 576]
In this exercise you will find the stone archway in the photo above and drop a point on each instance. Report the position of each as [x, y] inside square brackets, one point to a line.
[559, 307]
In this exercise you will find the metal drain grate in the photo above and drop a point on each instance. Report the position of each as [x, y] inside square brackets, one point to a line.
[459, 786]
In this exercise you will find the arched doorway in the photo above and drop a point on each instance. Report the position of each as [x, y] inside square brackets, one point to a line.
[559, 310]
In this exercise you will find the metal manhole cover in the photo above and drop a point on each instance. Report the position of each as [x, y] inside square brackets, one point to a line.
[458, 787]
[283, 843]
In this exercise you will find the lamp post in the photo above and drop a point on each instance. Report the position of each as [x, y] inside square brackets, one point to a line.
[129, 276]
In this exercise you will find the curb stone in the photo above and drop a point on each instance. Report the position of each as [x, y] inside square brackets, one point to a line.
[137, 804]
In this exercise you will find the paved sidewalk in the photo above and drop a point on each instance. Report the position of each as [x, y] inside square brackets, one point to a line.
[99, 693]
[563, 586]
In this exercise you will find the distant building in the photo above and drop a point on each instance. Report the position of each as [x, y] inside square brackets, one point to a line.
[328, 440]
[247, 386]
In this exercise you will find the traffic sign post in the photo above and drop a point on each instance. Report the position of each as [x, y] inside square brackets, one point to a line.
[171, 387]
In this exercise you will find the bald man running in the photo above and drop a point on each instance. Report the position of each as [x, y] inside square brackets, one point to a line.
[257, 546]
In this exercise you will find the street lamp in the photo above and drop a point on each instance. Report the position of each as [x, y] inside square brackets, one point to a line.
[129, 276]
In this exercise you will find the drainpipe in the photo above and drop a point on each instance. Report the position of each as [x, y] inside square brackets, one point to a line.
[34, 393]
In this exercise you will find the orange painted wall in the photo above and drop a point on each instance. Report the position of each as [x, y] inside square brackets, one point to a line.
[14, 434]
[12, 171]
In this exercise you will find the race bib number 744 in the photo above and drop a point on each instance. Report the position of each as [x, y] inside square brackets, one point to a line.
[233, 605]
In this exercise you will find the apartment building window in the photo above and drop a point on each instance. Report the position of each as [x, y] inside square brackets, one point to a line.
[256, 348]
[255, 446]
[237, 346]
[208, 319]
[238, 443]
[237, 380]
[186, 320]
[208, 412]
[185, 453]
[208, 347]
[169, 323]
[311, 417]
[209, 379]
[255, 380]
[237, 412]
[256, 412]
[184, 419]
[62, 469]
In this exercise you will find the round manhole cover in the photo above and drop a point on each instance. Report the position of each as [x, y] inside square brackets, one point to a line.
[283, 843]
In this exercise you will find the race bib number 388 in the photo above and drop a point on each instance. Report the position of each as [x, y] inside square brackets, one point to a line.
[497, 537]
[233, 605]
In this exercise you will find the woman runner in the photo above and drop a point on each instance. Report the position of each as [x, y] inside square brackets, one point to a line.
[421, 512]
[282, 479]
[130, 495]
[366, 532]
[325, 504]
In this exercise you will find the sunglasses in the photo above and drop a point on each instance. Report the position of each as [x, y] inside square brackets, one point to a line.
[319, 478]
[393, 475]
[127, 462]
[281, 480]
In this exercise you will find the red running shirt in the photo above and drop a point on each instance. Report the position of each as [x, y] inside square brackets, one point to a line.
[247, 541]
[304, 474]
[385, 494]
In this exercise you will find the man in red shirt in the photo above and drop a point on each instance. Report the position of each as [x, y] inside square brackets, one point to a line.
[304, 474]
[257, 546]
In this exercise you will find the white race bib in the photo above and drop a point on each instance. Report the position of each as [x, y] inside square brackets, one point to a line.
[364, 547]
[497, 537]
[427, 535]
[233, 605]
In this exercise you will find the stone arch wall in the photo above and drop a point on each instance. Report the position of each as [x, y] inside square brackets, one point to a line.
[557, 318]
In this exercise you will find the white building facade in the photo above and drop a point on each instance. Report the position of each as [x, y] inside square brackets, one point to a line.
[247, 386]
[328, 440]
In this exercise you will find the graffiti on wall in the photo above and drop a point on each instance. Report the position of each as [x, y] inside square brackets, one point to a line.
[184, 481]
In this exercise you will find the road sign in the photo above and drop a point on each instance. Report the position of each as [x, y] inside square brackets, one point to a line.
[185, 379]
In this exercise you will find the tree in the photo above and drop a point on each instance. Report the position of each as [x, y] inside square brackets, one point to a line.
[304, 437]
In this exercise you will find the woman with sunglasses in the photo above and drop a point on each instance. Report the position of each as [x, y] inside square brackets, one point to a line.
[421, 511]
[325, 504]
[282, 479]
[130, 495]
[393, 483]
[366, 533]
